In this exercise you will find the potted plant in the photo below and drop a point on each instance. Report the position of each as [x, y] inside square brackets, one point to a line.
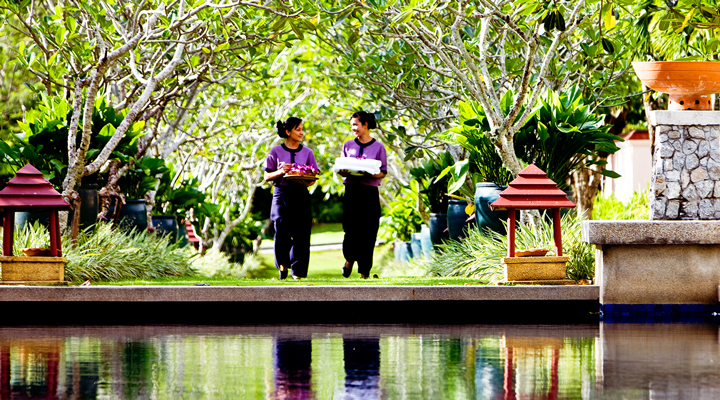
[401, 222]
[434, 192]
[478, 180]
[137, 181]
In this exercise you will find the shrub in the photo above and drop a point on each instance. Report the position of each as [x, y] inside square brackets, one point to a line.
[610, 208]
[104, 254]
[480, 254]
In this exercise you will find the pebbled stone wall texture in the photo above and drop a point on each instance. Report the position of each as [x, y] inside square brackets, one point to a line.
[685, 182]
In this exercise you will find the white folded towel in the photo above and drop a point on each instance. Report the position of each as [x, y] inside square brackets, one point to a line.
[354, 164]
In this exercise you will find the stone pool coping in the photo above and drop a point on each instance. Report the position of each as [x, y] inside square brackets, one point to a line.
[275, 294]
[242, 305]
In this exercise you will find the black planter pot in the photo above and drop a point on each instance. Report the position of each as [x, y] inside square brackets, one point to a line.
[89, 206]
[23, 218]
[438, 224]
[133, 214]
[166, 225]
[456, 218]
[183, 239]
[486, 218]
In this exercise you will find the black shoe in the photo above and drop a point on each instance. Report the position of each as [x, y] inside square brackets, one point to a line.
[283, 274]
[363, 276]
[346, 271]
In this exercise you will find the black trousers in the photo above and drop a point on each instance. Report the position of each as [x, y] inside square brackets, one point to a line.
[292, 217]
[361, 221]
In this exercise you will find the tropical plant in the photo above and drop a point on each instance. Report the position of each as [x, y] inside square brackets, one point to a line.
[480, 254]
[434, 186]
[403, 219]
[610, 208]
[142, 177]
[564, 135]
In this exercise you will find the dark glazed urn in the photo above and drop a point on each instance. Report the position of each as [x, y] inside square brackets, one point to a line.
[486, 218]
[438, 224]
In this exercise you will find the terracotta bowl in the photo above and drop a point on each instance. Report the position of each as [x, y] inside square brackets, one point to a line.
[531, 253]
[690, 84]
[36, 252]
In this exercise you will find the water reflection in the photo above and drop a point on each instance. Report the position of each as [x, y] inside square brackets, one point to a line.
[347, 362]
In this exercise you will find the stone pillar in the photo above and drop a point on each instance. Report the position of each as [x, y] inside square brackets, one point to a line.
[685, 182]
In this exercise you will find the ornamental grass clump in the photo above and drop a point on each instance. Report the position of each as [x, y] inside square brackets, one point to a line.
[480, 254]
[106, 254]
[610, 208]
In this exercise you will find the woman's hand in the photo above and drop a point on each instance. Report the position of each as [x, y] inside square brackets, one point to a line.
[285, 168]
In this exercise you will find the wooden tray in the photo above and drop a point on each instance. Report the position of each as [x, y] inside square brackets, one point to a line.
[300, 177]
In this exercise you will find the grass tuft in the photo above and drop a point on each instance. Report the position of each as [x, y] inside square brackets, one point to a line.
[480, 254]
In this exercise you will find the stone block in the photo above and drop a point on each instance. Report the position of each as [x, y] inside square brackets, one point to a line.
[690, 193]
[666, 151]
[689, 146]
[703, 149]
[534, 268]
[672, 176]
[696, 132]
[656, 262]
[716, 192]
[673, 190]
[677, 145]
[704, 189]
[32, 268]
[685, 178]
[699, 174]
[692, 161]
[706, 209]
[689, 210]
[684, 117]
[673, 209]
[713, 169]
[674, 134]
[658, 208]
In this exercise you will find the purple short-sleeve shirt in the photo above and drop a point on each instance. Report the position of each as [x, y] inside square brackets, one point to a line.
[281, 155]
[373, 150]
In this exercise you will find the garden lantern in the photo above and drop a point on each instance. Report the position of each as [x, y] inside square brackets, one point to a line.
[30, 191]
[532, 189]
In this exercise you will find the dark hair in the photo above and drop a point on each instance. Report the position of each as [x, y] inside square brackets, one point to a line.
[289, 125]
[366, 118]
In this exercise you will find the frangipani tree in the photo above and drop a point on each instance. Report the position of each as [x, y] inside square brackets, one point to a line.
[143, 56]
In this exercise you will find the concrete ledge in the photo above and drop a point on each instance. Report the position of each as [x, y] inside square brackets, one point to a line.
[686, 117]
[651, 232]
[283, 294]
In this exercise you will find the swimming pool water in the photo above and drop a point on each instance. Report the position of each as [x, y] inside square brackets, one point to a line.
[623, 361]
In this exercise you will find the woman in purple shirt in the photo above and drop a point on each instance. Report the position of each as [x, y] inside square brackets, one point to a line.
[290, 212]
[361, 204]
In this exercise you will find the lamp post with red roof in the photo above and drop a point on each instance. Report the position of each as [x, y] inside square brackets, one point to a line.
[532, 189]
[30, 191]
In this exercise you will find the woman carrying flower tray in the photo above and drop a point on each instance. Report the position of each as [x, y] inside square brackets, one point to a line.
[361, 204]
[292, 168]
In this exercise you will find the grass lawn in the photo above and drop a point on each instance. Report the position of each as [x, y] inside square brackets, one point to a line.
[324, 270]
[321, 234]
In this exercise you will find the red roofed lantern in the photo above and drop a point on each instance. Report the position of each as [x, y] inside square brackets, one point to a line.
[29, 190]
[532, 189]
[192, 237]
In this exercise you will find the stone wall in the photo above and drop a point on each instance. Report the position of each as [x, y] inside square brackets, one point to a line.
[685, 183]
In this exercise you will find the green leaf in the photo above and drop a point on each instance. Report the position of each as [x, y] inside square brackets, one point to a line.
[610, 174]
[608, 46]
[298, 31]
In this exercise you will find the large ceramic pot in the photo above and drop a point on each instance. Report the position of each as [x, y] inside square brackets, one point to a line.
[405, 252]
[456, 218]
[486, 218]
[166, 225]
[427, 245]
[23, 218]
[89, 205]
[183, 239]
[438, 225]
[416, 245]
[133, 214]
[690, 84]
